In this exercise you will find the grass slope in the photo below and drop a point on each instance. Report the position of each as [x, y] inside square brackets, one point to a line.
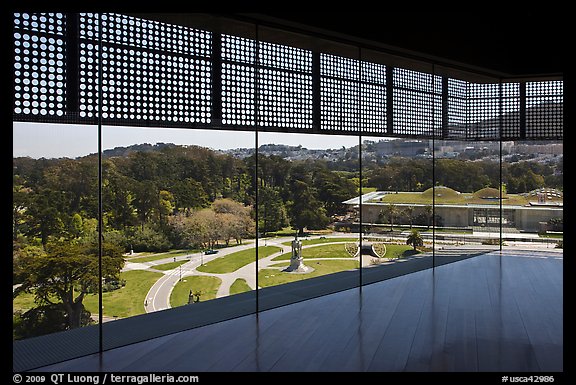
[127, 301]
[207, 285]
[232, 262]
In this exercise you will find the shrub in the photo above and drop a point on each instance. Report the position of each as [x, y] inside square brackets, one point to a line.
[149, 239]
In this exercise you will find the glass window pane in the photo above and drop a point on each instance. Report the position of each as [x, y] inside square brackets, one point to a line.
[179, 203]
[396, 207]
[54, 235]
[306, 227]
[467, 199]
[533, 173]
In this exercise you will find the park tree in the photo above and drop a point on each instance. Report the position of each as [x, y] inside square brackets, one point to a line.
[304, 209]
[208, 227]
[409, 213]
[20, 202]
[165, 205]
[145, 200]
[414, 239]
[225, 220]
[188, 195]
[149, 238]
[62, 275]
[428, 211]
[186, 230]
[44, 217]
[271, 210]
[334, 189]
[232, 220]
[117, 197]
[226, 205]
[389, 211]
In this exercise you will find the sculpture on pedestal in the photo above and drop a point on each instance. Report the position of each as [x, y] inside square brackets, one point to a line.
[296, 260]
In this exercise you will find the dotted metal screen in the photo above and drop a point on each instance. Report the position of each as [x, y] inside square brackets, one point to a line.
[238, 81]
[373, 112]
[265, 84]
[417, 103]
[284, 87]
[545, 109]
[483, 111]
[339, 93]
[510, 110]
[456, 105]
[39, 65]
[158, 74]
[353, 95]
[493, 111]
[152, 72]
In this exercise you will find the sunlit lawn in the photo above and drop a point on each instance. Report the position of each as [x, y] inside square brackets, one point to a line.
[24, 302]
[307, 242]
[232, 262]
[127, 301]
[208, 286]
[239, 286]
[154, 257]
[399, 251]
[272, 277]
[169, 265]
[326, 251]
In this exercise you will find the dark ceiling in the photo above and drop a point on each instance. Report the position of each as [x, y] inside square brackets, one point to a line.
[515, 45]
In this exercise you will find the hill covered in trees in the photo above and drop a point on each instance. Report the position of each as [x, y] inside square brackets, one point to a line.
[147, 189]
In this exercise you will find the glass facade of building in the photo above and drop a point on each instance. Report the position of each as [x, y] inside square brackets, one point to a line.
[169, 170]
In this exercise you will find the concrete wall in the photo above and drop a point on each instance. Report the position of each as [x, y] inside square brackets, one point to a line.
[526, 218]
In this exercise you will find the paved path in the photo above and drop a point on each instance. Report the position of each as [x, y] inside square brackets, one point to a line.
[158, 297]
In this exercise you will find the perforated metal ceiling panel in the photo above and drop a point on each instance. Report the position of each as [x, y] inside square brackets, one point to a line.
[545, 109]
[151, 73]
[39, 65]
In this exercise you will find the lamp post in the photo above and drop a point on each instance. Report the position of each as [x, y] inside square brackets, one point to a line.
[180, 272]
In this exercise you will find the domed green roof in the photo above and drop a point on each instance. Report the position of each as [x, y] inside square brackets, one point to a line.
[488, 193]
[441, 191]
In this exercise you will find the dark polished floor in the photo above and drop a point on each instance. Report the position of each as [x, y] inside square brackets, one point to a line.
[493, 312]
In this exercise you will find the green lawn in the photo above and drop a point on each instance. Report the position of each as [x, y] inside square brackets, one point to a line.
[24, 302]
[447, 196]
[317, 241]
[232, 262]
[272, 277]
[338, 251]
[169, 265]
[207, 285]
[366, 190]
[127, 301]
[239, 286]
[326, 251]
[399, 251]
[155, 257]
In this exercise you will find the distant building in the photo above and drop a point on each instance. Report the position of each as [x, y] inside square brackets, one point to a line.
[401, 147]
[479, 210]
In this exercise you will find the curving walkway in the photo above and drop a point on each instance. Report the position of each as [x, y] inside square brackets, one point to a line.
[158, 297]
